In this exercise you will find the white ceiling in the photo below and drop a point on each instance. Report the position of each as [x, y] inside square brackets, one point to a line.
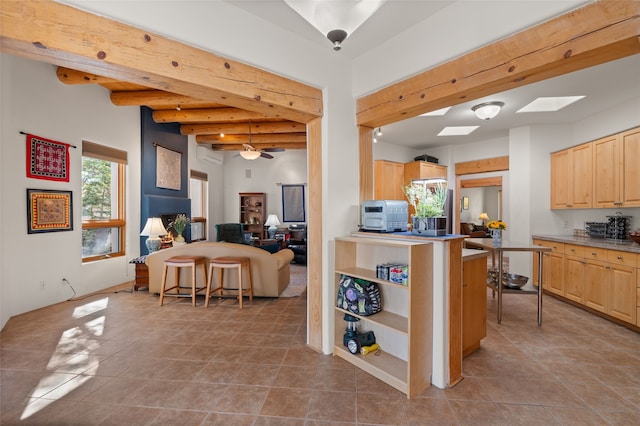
[603, 86]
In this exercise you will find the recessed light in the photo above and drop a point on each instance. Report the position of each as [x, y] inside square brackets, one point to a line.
[436, 113]
[457, 130]
[550, 104]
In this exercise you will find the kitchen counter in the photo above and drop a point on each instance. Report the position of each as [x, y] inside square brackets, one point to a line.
[628, 245]
[472, 254]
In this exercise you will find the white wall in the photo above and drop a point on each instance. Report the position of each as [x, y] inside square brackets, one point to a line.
[263, 175]
[36, 102]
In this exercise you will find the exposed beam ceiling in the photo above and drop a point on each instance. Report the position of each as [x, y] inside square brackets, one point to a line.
[208, 121]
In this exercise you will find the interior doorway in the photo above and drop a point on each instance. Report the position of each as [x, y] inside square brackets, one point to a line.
[478, 197]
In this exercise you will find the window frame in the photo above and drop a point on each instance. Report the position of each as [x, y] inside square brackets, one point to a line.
[196, 175]
[100, 152]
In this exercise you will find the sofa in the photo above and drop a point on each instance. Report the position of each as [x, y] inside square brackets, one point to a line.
[269, 271]
[473, 230]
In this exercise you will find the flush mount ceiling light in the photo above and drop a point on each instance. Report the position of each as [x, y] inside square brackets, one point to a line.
[335, 19]
[487, 110]
[549, 104]
[457, 130]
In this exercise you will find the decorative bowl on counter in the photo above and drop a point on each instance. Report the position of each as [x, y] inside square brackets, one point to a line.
[635, 238]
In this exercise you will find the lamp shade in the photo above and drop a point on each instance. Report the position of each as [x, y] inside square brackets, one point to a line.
[250, 155]
[483, 216]
[272, 220]
[487, 110]
[153, 228]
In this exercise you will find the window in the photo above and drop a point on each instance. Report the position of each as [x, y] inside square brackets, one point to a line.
[103, 212]
[198, 187]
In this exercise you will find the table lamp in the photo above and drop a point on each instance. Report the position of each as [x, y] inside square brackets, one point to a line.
[153, 229]
[273, 223]
[483, 216]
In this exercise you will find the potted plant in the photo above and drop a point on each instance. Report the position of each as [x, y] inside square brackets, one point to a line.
[179, 224]
[428, 206]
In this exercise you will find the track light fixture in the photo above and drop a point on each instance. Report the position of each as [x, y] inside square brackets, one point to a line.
[379, 132]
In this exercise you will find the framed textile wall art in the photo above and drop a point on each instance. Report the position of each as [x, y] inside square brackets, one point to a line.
[168, 168]
[47, 159]
[49, 211]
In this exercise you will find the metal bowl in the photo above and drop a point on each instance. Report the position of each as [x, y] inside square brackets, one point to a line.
[514, 280]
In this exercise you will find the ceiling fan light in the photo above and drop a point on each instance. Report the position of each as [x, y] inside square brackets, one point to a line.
[487, 110]
[250, 155]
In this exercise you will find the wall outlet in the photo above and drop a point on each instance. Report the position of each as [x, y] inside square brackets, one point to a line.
[566, 224]
[41, 285]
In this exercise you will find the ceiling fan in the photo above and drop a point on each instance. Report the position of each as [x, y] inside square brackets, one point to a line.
[252, 153]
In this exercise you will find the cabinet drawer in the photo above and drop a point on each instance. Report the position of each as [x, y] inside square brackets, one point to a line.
[622, 258]
[595, 253]
[574, 250]
[555, 246]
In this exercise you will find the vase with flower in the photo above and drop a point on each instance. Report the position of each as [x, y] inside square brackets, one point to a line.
[179, 224]
[428, 206]
[496, 227]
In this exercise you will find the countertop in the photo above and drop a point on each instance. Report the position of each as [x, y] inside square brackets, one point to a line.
[628, 246]
[471, 254]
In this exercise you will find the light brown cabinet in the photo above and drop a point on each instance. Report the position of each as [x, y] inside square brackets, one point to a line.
[553, 278]
[600, 174]
[603, 280]
[423, 170]
[404, 327]
[617, 175]
[474, 302]
[388, 180]
[253, 207]
[572, 178]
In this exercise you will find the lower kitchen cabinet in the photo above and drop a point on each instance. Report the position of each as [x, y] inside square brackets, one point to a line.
[607, 281]
[474, 302]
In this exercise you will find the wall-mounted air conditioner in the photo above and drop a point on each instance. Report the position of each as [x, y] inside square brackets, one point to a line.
[205, 154]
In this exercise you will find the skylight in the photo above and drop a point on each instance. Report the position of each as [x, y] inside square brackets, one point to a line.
[457, 130]
[436, 113]
[550, 104]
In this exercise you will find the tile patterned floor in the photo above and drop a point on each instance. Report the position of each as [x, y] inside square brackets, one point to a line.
[120, 359]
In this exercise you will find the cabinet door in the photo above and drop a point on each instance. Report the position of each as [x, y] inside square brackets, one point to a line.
[555, 283]
[582, 176]
[595, 285]
[630, 142]
[607, 164]
[388, 180]
[474, 304]
[622, 293]
[560, 180]
[574, 267]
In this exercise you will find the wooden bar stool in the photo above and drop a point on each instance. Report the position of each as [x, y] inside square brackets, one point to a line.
[183, 262]
[228, 262]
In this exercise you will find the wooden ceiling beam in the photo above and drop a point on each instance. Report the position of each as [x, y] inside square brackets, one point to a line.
[52, 32]
[599, 32]
[241, 128]
[155, 98]
[240, 147]
[74, 77]
[209, 115]
[279, 139]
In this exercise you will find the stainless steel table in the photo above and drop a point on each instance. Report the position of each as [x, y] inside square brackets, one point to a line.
[529, 288]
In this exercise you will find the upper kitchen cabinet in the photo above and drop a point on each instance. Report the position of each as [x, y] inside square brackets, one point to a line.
[617, 176]
[423, 170]
[388, 180]
[572, 178]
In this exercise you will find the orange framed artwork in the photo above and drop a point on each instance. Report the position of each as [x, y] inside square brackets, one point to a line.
[49, 211]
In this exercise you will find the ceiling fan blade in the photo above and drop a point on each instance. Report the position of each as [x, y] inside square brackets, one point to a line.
[265, 155]
[273, 150]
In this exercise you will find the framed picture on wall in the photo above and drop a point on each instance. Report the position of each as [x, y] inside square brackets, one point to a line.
[49, 211]
[293, 203]
[168, 164]
[465, 203]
